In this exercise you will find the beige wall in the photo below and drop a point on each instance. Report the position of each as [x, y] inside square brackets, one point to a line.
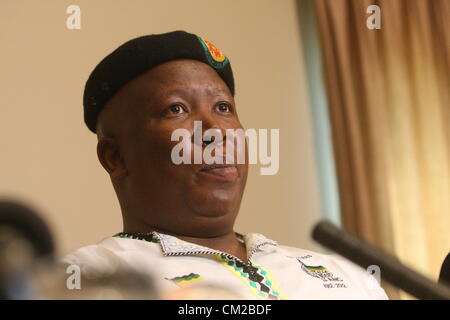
[48, 156]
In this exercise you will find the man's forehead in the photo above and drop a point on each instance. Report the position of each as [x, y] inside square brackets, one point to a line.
[178, 89]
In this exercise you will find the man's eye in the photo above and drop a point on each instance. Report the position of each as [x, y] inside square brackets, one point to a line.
[223, 107]
[176, 108]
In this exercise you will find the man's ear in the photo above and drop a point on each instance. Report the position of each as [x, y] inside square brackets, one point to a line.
[110, 157]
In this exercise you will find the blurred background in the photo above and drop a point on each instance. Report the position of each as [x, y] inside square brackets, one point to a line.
[363, 114]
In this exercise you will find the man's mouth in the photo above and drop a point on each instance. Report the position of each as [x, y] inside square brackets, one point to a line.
[225, 172]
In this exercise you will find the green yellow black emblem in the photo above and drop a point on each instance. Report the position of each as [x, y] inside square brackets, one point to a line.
[215, 57]
[190, 278]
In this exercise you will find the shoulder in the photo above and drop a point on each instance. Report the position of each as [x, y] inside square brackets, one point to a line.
[105, 257]
[339, 266]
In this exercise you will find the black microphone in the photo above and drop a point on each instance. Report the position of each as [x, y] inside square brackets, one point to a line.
[363, 254]
[28, 269]
[25, 240]
[444, 275]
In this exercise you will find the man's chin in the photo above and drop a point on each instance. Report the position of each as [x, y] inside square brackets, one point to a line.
[213, 211]
[212, 202]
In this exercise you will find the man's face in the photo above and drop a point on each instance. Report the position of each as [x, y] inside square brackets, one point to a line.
[184, 199]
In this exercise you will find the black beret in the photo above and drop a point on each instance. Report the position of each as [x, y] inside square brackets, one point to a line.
[138, 55]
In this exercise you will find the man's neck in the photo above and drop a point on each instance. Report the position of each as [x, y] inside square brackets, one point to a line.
[228, 243]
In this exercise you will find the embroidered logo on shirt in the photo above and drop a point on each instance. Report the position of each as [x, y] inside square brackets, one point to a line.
[323, 274]
[190, 278]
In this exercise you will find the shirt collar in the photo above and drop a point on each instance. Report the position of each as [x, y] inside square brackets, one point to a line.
[173, 246]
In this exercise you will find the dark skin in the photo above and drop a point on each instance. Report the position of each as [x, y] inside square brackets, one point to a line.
[134, 146]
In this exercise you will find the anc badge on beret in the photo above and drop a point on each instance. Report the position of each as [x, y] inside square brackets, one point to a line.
[215, 57]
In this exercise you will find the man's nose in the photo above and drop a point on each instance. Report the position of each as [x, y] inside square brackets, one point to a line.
[209, 129]
[213, 135]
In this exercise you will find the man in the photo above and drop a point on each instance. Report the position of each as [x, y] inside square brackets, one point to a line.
[178, 219]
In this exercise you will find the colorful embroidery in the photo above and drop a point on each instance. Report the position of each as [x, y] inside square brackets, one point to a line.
[260, 282]
[192, 277]
[215, 57]
[257, 278]
[319, 272]
[139, 236]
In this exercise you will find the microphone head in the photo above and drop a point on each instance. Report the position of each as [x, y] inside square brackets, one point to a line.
[444, 275]
[29, 225]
